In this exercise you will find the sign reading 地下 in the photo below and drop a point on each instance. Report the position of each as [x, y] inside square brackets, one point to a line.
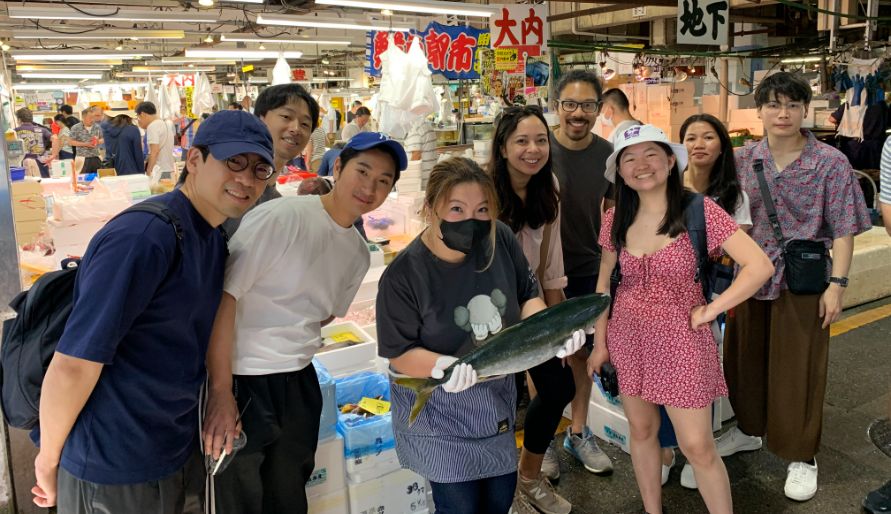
[703, 22]
[451, 51]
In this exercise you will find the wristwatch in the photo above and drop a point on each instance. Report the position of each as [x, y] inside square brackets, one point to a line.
[842, 281]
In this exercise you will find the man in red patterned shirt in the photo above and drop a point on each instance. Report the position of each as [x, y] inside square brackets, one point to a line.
[777, 343]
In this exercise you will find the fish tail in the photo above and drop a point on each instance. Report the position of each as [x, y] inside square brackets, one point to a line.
[423, 388]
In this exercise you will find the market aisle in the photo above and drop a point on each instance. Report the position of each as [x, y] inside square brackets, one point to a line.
[850, 465]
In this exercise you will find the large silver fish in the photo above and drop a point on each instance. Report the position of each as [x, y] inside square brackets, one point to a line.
[519, 347]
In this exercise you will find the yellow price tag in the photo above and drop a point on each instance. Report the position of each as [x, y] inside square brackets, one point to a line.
[345, 337]
[373, 406]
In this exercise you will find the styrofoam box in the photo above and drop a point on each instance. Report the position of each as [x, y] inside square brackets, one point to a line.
[402, 492]
[134, 183]
[370, 467]
[357, 357]
[610, 426]
[328, 476]
[336, 502]
[368, 288]
[68, 234]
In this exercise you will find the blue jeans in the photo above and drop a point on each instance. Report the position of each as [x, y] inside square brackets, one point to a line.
[485, 496]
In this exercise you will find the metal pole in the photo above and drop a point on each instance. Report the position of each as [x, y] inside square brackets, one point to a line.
[723, 99]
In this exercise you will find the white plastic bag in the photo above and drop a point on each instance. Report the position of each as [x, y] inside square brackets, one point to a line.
[101, 204]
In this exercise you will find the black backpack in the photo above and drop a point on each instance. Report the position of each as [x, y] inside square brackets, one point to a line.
[30, 338]
[715, 276]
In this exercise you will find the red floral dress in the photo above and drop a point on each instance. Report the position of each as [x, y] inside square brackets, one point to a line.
[658, 357]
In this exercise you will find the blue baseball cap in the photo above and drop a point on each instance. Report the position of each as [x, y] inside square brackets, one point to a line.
[228, 133]
[367, 140]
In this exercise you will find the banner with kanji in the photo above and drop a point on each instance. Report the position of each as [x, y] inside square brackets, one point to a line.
[521, 26]
[451, 51]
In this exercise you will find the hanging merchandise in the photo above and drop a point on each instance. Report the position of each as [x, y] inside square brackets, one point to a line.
[150, 94]
[162, 104]
[202, 97]
[281, 73]
[174, 102]
[406, 89]
[423, 99]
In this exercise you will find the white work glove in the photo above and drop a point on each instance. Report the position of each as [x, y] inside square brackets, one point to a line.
[463, 375]
[573, 344]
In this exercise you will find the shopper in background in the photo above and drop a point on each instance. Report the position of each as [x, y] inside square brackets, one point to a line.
[160, 136]
[351, 114]
[36, 140]
[86, 136]
[316, 148]
[295, 265]
[658, 336]
[123, 146]
[420, 142]
[119, 403]
[61, 145]
[578, 157]
[68, 111]
[235, 106]
[363, 115]
[247, 104]
[290, 113]
[879, 501]
[466, 263]
[529, 205]
[776, 347]
[326, 167]
[616, 113]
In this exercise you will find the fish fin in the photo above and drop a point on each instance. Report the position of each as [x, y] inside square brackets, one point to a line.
[423, 388]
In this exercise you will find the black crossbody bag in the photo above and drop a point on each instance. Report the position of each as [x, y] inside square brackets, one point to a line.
[807, 262]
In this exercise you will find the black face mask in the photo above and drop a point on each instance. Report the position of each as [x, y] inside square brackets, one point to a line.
[464, 236]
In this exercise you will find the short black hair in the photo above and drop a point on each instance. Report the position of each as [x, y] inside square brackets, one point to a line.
[236, 105]
[783, 83]
[363, 111]
[205, 151]
[580, 76]
[146, 107]
[66, 109]
[617, 97]
[356, 103]
[276, 96]
[348, 154]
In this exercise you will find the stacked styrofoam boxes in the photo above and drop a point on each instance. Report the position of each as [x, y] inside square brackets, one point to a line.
[138, 184]
[351, 359]
[402, 492]
[326, 488]
[28, 210]
[410, 179]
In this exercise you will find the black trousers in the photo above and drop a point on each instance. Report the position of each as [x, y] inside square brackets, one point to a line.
[169, 495]
[556, 388]
[269, 474]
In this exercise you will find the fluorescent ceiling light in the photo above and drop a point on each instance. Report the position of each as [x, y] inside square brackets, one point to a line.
[329, 79]
[66, 13]
[59, 75]
[163, 71]
[38, 55]
[122, 85]
[326, 23]
[40, 87]
[419, 6]
[207, 60]
[73, 63]
[245, 39]
[100, 34]
[36, 67]
[791, 60]
[261, 54]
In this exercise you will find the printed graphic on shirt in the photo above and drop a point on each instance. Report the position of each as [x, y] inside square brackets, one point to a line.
[482, 315]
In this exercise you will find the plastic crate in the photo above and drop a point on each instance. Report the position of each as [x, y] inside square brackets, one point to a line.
[364, 436]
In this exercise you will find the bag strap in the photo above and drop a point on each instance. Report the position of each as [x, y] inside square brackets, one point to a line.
[164, 212]
[758, 167]
[694, 218]
[543, 253]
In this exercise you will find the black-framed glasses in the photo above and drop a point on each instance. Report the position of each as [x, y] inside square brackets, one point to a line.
[240, 162]
[572, 105]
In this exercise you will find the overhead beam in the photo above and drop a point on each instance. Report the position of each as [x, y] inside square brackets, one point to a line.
[612, 8]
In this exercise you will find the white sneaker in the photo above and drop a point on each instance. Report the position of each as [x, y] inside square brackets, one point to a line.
[688, 479]
[734, 441]
[667, 469]
[801, 481]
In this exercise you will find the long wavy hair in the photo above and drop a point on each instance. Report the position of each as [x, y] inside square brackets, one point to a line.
[723, 182]
[542, 199]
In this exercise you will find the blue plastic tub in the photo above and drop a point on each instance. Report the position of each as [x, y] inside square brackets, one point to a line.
[328, 420]
[364, 436]
[16, 173]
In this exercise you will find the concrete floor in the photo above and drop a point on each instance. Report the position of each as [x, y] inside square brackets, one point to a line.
[850, 465]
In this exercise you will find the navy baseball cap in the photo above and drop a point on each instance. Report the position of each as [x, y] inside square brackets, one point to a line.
[228, 133]
[367, 140]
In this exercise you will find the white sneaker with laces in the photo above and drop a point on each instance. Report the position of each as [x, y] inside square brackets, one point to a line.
[801, 481]
[667, 469]
[688, 479]
[734, 441]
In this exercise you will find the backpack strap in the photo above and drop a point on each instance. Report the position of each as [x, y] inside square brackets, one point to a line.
[694, 218]
[164, 212]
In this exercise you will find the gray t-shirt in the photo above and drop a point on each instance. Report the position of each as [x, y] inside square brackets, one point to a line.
[582, 187]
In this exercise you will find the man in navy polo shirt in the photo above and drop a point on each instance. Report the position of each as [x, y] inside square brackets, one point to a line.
[119, 405]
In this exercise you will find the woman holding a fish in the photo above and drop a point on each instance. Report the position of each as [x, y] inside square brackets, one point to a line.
[658, 337]
[449, 310]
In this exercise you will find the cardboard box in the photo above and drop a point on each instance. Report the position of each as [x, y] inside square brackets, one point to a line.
[25, 188]
[369, 467]
[402, 492]
[609, 426]
[29, 208]
[328, 476]
[336, 502]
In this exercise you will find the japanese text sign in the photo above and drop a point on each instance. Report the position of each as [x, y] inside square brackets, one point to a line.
[521, 26]
[451, 51]
[703, 22]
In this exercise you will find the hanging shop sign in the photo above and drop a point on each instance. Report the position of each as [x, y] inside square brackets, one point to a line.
[453, 52]
[521, 26]
[301, 74]
[189, 93]
[703, 22]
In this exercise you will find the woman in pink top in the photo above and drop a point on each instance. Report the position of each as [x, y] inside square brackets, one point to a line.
[529, 202]
[658, 337]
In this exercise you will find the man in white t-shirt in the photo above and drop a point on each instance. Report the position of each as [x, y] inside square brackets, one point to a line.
[160, 137]
[294, 265]
[616, 113]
